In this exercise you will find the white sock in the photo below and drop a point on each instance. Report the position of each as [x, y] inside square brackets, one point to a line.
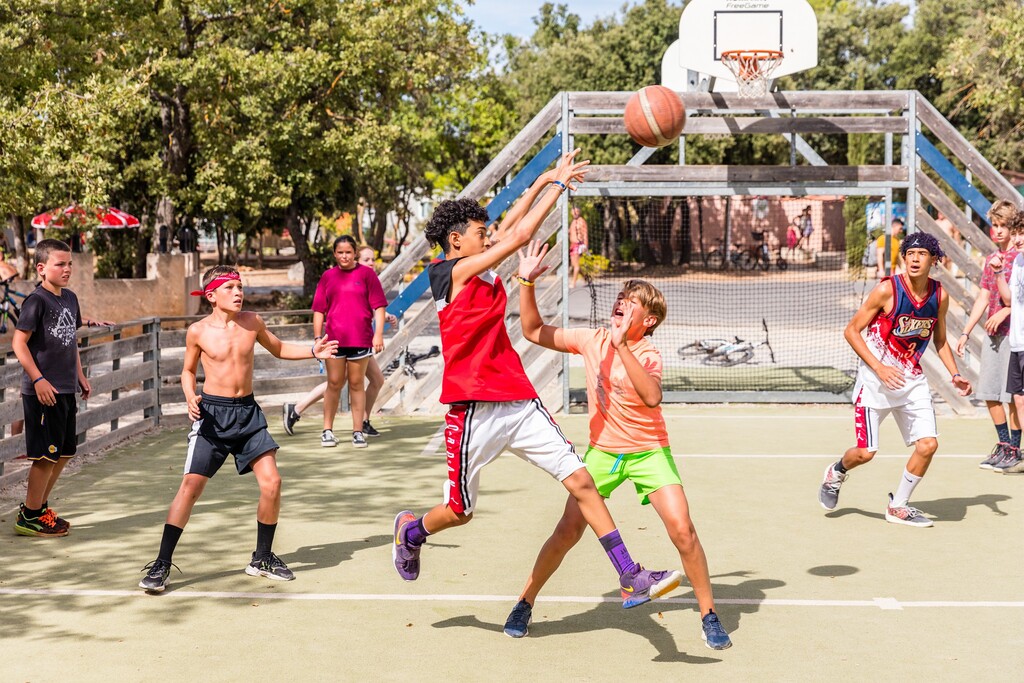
[906, 488]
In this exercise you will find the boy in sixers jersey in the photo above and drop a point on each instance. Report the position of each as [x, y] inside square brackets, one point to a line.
[494, 407]
[902, 315]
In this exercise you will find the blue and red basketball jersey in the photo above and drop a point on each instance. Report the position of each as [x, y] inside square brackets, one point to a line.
[901, 336]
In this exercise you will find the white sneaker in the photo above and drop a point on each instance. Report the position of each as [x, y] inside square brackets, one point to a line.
[327, 439]
[905, 514]
[358, 440]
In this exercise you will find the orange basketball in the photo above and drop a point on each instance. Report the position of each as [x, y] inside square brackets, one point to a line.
[654, 116]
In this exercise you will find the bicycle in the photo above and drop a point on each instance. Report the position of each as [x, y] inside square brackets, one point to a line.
[407, 362]
[703, 346]
[715, 259]
[9, 309]
[759, 254]
[739, 351]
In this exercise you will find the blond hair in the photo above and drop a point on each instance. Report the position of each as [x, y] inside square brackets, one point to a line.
[650, 298]
[1002, 212]
[212, 274]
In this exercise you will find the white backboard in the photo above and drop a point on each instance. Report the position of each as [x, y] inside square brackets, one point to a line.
[709, 27]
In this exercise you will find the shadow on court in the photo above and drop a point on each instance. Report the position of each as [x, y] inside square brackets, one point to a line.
[644, 621]
[941, 510]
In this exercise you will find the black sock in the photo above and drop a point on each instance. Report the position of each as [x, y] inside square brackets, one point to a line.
[838, 467]
[264, 539]
[1003, 433]
[32, 514]
[169, 541]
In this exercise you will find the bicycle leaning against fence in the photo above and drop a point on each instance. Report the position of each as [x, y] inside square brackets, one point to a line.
[9, 308]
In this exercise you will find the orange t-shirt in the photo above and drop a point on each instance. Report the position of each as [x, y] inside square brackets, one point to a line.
[619, 420]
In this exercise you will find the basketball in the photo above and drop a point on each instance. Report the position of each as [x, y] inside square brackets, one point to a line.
[654, 116]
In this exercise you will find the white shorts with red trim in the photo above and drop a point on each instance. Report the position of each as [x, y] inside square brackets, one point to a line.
[915, 420]
[477, 433]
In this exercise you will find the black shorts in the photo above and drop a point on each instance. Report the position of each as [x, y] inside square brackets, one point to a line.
[1015, 373]
[50, 430]
[227, 426]
[353, 352]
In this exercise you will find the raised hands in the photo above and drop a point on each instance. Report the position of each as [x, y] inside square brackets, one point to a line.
[530, 267]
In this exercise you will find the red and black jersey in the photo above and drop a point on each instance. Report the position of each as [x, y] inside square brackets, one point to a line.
[901, 336]
[480, 363]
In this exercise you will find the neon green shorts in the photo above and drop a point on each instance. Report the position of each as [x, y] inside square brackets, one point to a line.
[648, 470]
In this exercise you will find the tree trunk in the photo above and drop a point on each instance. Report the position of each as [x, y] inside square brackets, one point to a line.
[17, 225]
[300, 238]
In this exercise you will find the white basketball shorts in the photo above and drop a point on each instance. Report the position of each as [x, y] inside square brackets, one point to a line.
[915, 420]
[477, 433]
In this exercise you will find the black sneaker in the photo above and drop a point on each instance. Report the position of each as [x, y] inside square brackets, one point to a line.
[289, 417]
[271, 567]
[518, 623]
[157, 573]
[368, 429]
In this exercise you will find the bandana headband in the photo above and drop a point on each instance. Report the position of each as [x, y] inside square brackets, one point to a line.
[216, 282]
[922, 240]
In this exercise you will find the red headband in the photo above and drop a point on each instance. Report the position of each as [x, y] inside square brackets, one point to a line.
[217, 282]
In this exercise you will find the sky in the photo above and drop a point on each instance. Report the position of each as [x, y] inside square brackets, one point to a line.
[516, 17]
[506, 16]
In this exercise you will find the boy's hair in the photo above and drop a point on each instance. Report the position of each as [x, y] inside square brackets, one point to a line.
[650, 298]
[922, 240]
[212, 273]
[897, 220]
[453, 215]
[1016, 222]
[1002, 212]
[366, 247]
[45, 247]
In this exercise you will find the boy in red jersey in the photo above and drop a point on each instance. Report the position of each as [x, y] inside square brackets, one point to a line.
[494, 407]
[628, 436]
[902, 315]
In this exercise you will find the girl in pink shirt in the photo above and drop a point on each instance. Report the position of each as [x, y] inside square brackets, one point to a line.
[348, 307]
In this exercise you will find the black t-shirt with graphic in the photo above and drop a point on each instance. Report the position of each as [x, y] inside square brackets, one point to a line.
[53, 321]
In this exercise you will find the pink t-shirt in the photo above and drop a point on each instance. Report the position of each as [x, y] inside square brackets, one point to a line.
[619, 420]
[347, 298]
[988, 281]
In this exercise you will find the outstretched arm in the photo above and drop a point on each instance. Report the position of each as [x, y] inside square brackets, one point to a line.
[534, 329]
[322, 348]
[566, 175]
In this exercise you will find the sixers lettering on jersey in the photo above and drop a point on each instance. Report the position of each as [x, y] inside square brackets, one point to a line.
[900, 337]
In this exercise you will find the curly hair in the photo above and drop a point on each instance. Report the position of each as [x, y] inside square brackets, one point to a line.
[922, 240]
[453, 215]
[1016, 223]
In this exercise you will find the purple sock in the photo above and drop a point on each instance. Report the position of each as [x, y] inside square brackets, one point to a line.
[617, 553]
[415, 533]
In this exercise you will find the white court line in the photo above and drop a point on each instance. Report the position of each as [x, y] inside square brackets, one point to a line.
[880, 603]
[435, 442]
[818, 456]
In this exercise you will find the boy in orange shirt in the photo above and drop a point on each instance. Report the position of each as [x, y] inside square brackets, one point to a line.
[628, 437]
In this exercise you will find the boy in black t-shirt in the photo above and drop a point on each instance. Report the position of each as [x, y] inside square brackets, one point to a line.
[47, 349]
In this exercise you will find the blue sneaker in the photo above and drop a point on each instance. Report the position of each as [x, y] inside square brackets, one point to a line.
[518, 623]
[713, 634]
[645, 585]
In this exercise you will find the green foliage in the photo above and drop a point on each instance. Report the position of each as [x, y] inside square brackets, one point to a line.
[592, 265]
[629, 251]
[854, 213]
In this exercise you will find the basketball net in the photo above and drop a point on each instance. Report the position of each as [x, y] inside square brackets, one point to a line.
[752, 69]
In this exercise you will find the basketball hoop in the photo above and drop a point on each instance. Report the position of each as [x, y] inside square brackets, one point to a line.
[752, 69]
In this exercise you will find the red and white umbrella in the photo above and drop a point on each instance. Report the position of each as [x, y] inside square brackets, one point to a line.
[108, 217]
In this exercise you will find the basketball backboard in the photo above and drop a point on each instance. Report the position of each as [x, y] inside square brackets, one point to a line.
[708, 28]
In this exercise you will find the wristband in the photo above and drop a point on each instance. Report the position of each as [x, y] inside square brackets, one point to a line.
[561, 185]
[964, 334]
[37, 379]
[997, 271]
[955, 375]
[523, 281]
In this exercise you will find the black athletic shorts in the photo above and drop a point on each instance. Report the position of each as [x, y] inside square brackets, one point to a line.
[227, 426]
[50, 430]
[353, 352]
[1015, 373]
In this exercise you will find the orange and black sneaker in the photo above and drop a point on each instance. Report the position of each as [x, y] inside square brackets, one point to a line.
[43, 525]
[60, 522]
